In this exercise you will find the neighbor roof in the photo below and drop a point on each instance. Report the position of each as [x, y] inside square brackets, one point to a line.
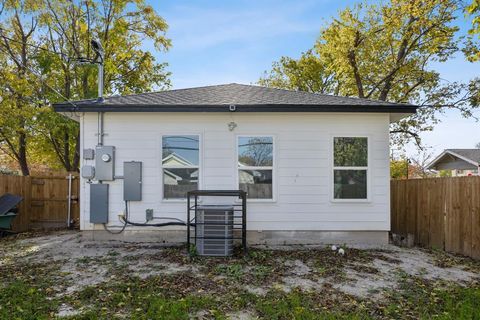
[245, 98]
[471, 156]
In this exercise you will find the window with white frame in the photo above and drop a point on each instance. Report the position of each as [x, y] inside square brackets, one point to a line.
[350, 167]
[180, 165]
[255, 166]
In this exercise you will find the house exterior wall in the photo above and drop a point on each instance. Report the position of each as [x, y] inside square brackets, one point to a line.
[452, 163]
[303, 161]
[464, 172]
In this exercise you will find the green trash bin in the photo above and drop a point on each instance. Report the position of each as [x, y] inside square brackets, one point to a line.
[8, 212]
[6, 220]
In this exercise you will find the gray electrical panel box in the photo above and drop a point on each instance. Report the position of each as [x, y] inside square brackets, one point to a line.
[99, 203]
[88, 154]
[132, 181]
[88, 172]
[104, 163]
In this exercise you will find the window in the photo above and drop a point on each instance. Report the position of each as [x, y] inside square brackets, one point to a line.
[350, 166]
[180, 165]
[255, 166]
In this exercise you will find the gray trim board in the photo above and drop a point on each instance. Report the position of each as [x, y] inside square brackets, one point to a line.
[226, 108]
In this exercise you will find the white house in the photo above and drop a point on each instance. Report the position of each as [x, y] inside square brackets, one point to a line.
[316, 167]
[460, 162]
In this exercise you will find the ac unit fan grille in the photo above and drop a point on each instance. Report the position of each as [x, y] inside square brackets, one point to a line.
[214, 230]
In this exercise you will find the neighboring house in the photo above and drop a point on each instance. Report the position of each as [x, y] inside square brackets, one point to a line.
[316, 167]
[461, 162]
[173, 161]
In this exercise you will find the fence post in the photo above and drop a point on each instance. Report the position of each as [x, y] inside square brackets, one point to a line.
[69, 199]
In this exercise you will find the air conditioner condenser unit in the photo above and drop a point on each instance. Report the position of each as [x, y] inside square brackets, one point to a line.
[214, 227]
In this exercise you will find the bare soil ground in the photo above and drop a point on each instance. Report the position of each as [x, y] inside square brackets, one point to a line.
[82, 278]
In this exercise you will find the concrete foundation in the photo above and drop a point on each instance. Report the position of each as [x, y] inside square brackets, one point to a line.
[270, 238]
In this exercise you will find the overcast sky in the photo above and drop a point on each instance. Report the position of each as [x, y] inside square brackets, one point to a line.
[219, 41]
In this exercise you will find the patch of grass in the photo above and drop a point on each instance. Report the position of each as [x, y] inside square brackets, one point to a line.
[19, 300]
[84, 260]
[257, 255]
[112, 253]
[423, 299]
[299, 305]
[460, 303]
[234, 271]
[170, 309]
[168, 297]
[260, 272]
[444, 259]
[87, 293]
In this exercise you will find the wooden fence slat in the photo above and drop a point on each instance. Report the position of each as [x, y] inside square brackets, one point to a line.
[476, 220]
[44, 202]
[442, 213]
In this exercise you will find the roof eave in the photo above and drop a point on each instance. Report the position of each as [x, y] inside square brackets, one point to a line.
[238, 108]
[435, 161]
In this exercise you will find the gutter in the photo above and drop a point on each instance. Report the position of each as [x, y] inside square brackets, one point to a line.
[95, 107]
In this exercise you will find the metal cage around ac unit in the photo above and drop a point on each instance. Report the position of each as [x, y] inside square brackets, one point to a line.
[215, 228]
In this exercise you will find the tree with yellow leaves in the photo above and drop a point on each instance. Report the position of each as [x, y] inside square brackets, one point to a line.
[384, 51]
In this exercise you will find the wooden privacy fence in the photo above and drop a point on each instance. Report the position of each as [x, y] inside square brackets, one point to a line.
[442, 213]
[45, 200]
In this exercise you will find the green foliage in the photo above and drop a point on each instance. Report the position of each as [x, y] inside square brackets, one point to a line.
[158, 307]
[350, 152]
[140, 299]
[42, 42]
[398, 168]
[233, 270]
[21, 301]
[424, 300]
[472, 50]
[445, 173]
[384, 51]
[298, 305]
[308, 73]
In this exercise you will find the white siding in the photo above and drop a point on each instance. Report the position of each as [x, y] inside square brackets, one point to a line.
[303, 165]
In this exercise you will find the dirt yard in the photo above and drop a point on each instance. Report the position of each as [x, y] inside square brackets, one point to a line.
[59, 275]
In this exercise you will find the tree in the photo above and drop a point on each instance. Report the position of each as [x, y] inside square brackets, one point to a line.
[122, 28]
[477, 145]
[418, 167]
[398, 168]
[472, 50]
[63, 31]
[18, 88]
[383, 52]
[256, 151]
[308, 73]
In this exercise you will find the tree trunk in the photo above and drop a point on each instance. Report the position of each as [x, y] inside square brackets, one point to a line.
[66, 151]
[22, 154]
[352, 58]
[76, 156]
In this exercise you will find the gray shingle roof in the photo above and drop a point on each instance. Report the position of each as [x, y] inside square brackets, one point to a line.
[209, 98]
[472, 154]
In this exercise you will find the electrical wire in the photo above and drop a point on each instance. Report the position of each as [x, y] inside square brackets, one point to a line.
[43, 81]
[124, 223]
[177, 222]
[38, 47]
[169, 218]
[165, 224]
